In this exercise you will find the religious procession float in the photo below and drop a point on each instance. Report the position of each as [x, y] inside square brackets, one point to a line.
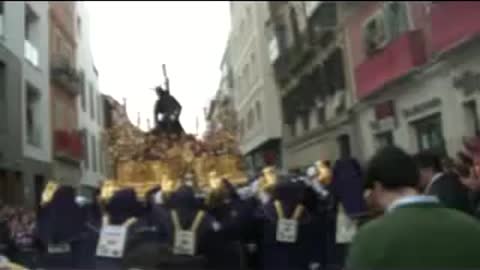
[166, 156]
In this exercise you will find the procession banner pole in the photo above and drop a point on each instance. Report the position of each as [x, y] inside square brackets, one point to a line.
[167, 82]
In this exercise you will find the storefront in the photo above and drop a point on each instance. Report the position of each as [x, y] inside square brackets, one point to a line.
[432, 110]
[265, 155]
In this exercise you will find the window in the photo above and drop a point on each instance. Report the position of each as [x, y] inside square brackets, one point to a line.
[99, 109]
[396, 19]
[242, 29]
[250, 119]
[86, 161]
[31, 35]
[344, 146]
[3, 98]
[259, 110]
[321, 115]
[248, 79]
[57, 40]
[384, 139]
[281, 34]
[253, 67]
[100, 156]
[33, 125]
[429, 134]
[293, 129]
[92, 101]
[294, 25]
[57, 117]
[83, 91]
[94, 153]
[1, 17]
[471, 118]
[306, 121]
[385, 26]
[79, 26]
[242, 128]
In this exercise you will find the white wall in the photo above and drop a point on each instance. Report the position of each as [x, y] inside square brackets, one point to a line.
[85, 62]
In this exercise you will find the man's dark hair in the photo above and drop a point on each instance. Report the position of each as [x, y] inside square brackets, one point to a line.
[428, 159]
[393, 168]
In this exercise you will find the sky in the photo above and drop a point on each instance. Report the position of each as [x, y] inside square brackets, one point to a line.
[131, 40]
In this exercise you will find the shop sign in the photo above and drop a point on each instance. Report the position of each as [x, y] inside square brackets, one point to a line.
[422, 107]
[384, 124]
[468, 82]
[384, 116]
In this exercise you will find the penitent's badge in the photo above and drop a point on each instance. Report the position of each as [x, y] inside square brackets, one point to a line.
[58, 248]
[112, 240]
[184, 243]
[346, 227]
[287, 230]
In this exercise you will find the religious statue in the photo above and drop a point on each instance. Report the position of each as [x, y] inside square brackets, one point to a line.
[167, 110]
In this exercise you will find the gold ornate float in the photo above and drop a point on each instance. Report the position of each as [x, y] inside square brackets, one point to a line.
[143, 161]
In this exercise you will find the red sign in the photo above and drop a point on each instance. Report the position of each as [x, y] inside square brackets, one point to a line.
[384, 110]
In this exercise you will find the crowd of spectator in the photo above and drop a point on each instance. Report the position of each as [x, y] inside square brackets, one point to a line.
[17, 229]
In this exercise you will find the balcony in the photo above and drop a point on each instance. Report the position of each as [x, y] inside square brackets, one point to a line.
[31, 53]
[68, 146]
[453, 22]
[64, 74]
[395, 60]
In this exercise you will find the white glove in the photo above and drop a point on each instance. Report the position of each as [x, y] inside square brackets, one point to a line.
[314, 266]
[160, 116]
[264, 198]
[319, 189]
[311, 171]
[158, 199]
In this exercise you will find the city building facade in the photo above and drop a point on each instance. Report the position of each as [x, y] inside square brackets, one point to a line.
[64, 89]
[90, 111]
[25, 141]
[221, 113]
[307, 52]
[256, 97]
[416, 73]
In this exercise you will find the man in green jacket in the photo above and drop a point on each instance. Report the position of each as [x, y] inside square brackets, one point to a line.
[416, 231]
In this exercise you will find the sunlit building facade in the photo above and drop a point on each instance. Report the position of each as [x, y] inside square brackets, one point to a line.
[255, 91]
[25, 141]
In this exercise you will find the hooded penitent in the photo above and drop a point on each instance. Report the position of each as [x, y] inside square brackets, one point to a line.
[122, 206]
[61, 223]
[287, 203]
[150, 198]
[186, 206]
[61, 219]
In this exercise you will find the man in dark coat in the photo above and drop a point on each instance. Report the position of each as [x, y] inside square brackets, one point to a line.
[445, 185]
[417, 232]
[347, 207]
